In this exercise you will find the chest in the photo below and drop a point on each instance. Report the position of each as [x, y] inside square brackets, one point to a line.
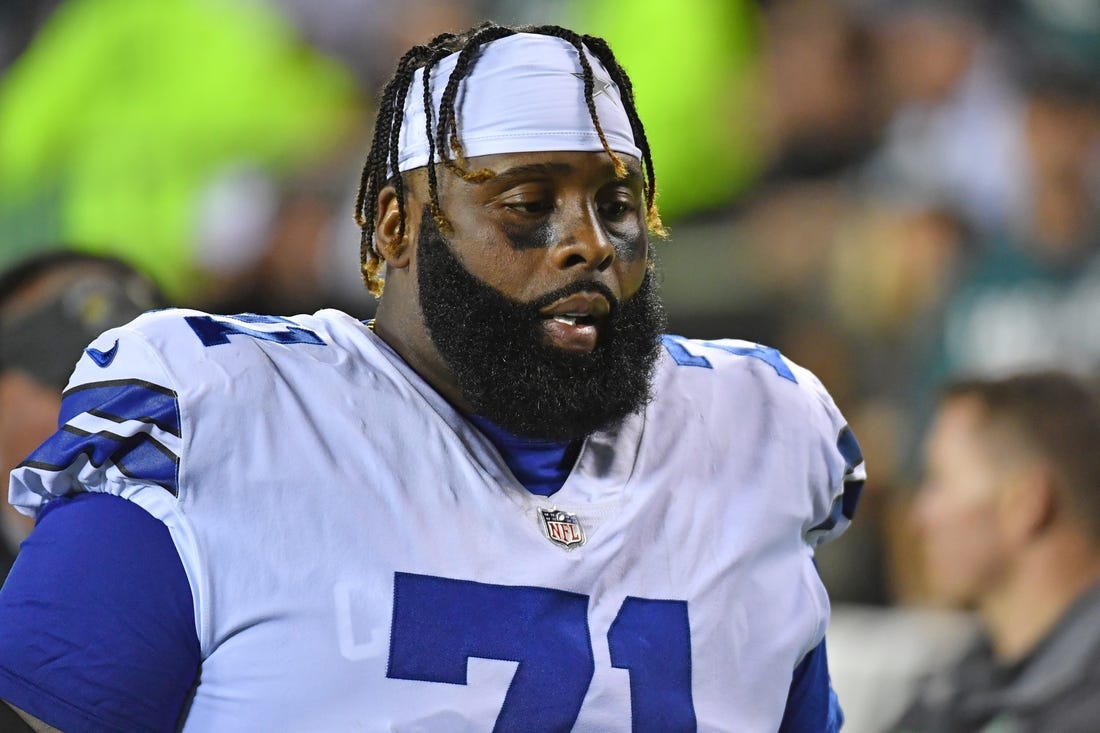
[363, 560]
[432, 593]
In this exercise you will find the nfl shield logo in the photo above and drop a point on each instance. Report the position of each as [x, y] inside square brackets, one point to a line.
[562, 528]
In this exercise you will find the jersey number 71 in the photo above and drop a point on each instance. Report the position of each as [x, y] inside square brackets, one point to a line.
[439, 623]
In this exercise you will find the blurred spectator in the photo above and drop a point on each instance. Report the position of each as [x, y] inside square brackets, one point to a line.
[51, 306]
[1009, 515]
[306, 250]
[820, 112]
[1031, 298]
[120, 115]
[955, 131]
[367, 35]
[971, 246]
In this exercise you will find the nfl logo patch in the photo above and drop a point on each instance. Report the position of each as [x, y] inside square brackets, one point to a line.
[562, 528]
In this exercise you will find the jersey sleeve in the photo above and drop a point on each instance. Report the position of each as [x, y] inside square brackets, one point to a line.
[812, 706]
[812, 423]
[842, 472]
[97, 629]
[98, 618]
[119, 431]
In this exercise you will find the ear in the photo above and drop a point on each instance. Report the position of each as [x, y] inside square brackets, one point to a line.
[1029, 502]
[390, 241]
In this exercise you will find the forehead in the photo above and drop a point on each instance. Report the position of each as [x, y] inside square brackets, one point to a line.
[965, 431]
[957, 425]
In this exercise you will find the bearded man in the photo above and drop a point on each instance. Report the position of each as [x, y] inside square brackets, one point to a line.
[508, 503]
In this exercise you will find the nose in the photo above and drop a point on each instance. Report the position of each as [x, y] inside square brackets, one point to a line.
[584, 243]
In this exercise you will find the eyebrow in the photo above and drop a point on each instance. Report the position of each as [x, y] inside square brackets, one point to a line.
[550, 169]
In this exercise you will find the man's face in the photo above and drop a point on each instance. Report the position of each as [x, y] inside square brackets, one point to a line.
[539, 301]
[958, 510]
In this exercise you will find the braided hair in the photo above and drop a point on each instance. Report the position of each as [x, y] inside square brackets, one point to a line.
[444, 138]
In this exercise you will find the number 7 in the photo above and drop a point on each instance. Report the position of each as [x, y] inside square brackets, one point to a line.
[439, 623]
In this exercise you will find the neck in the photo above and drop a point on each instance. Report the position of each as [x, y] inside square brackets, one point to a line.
[1042, 588]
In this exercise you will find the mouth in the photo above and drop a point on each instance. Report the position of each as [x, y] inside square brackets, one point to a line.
[573, 323]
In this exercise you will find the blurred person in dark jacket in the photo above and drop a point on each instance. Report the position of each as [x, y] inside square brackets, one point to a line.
[1009, 516]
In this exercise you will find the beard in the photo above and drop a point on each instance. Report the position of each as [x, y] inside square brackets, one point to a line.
[494, 348]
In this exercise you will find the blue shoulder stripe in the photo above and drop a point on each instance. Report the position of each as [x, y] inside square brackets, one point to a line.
[846, 503]
[121, 400]
[137, 456]
[848, 446]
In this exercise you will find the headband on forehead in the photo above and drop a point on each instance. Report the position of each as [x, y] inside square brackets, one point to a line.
[524, 94]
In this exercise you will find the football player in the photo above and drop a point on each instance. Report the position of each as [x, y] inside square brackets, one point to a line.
[508, 503]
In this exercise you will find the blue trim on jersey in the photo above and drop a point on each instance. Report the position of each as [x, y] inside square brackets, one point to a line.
[848, 446]
[834, 516]
[845, 504]
[215, 331]
[677, 349]
[136, 456]
[849, 499]
[812, 706]
[766, 354]
[116, 647]
[122, 400]
[674, 345]
[542, 466]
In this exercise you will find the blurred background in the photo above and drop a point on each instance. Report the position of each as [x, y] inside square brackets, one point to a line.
[888, 191]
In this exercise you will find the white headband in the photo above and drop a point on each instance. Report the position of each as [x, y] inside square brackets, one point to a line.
[524, 94]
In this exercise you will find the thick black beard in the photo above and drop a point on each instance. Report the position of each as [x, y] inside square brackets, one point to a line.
[494, 349]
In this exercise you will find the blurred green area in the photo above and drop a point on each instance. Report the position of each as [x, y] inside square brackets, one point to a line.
[695, 66]
[121, 112]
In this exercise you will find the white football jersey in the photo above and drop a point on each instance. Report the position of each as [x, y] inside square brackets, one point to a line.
[361, 558]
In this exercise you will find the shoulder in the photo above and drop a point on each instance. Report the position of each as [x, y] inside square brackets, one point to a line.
[752, 400]
[177, 347]
[183, 332]
[745, 373]
[141, 394]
